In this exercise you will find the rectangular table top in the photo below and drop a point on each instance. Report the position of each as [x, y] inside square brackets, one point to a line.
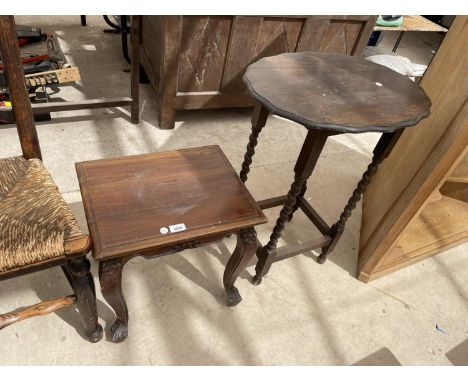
[150, 201]
[415, 24]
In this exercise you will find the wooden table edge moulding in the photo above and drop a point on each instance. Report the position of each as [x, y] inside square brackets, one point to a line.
[153, 241]
[292, 79]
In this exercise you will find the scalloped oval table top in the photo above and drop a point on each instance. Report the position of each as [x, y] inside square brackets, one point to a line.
[335, 92]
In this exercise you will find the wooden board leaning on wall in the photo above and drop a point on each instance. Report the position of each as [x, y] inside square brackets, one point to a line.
[416, 205]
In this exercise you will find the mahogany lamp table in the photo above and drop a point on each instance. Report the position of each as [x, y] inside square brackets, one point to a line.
[327, 94]
[158, 204]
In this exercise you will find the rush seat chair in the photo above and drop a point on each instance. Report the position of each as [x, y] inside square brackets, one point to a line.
[37, 227]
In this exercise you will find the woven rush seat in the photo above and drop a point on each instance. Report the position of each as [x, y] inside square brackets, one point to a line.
[36, 224]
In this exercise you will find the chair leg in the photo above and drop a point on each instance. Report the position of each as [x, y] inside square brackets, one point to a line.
[81, 280]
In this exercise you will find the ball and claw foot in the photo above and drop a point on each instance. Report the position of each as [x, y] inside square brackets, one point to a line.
[95, 336]
[257, 280]
[119, 331]
[321, 259]
[233, 296]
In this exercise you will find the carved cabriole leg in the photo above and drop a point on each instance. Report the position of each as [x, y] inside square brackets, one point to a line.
[381, 151]
[305, 164]
[259, 117]
[81, 280]
[245, 249]
[110, 278]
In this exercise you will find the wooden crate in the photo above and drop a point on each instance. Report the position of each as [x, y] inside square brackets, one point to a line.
[197, 62]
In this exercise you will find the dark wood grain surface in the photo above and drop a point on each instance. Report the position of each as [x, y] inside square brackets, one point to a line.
[128, 200]
[336, 92]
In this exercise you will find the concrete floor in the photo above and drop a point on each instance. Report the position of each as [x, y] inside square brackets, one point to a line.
[302, 314]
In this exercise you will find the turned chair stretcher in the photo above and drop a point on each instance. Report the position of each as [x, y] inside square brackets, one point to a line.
[40, 309]
[37, 227]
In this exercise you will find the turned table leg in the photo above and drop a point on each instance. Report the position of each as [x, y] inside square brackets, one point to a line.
[81, 280]
[381, 151]
[259, 118]
[267, 253]
[296, 206]
[243, 253]
[305, 164]
[110, 278]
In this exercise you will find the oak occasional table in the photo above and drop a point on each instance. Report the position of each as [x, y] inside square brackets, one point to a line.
[161, 203]
[327, 94]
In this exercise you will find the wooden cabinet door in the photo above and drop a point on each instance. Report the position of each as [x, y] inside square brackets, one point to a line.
[216, 50]
[197, 62]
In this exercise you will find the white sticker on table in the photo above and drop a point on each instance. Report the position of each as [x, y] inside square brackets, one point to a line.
[177, 228]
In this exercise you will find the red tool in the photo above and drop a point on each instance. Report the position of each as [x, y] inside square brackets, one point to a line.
[25, 60]
[23, 41]
[28, 59]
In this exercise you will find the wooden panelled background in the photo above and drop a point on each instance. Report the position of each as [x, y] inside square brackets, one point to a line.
[198, 62]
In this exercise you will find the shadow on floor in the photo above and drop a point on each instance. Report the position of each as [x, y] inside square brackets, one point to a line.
[173, 313]
[51, 283]
[382, 357]
[58, 285]
[458, 356]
